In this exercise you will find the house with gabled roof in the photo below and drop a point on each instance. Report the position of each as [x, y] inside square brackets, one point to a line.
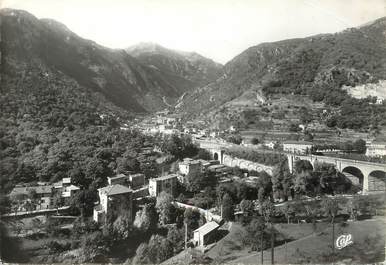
[205, 234]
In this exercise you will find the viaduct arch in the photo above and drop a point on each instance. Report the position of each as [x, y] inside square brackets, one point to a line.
[372, 176]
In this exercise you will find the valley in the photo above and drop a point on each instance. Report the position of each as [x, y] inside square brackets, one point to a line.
[149, 155]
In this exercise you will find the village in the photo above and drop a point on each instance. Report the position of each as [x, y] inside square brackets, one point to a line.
[227, 183]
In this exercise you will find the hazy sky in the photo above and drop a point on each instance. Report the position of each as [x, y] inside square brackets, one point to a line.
[218, 29]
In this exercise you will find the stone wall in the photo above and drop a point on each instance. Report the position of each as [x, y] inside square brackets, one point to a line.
[231, 161]
[207, 214]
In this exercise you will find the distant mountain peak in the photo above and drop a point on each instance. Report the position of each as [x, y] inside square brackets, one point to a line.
[143, 47]
[190, 66]
[155, 48]
[35, 45]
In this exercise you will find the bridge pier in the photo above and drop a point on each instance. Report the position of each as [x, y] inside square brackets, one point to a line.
[369, 184]
[218, 155]
[365, 187]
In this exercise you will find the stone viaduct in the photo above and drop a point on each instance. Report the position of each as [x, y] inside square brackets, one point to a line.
[371, 175]
[217, 149]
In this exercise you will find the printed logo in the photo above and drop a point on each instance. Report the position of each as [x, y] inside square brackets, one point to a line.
[343, 241]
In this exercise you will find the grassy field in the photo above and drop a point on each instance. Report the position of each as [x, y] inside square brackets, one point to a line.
[231, 246]
[368, 247]
[304, 245]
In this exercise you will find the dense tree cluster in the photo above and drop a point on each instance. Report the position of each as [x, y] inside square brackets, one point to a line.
[51, 128]
[234, 138]
[266, 158]
[179, 147]
[358, 114]
[323, 179]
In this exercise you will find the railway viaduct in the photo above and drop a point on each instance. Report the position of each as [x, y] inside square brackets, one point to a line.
[371, 175]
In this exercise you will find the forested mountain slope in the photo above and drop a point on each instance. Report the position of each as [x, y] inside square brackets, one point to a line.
[316, 67]
[46, 46]
[183, 69]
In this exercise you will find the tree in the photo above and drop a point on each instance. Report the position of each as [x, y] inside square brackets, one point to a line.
[97, 168]
[146, 219]
[127, 163]
[288, 211]
[354, 207]
[312, 210]
[256, 234]
[192, 219]
[303, 177]
[305, 116]
[95, 247]
[159, 249]
[78, 178]
[255, 141]
[5, 204]
[227, 207]
[176, 237]
[33, 196]
[264, 186]
[205, 199]
[331, 208]
[180, 147]
[165, 208]
[282, 181]
[267, 210]
[302, 166]
[57, 200]
[149, 168]
[141, 254]
[10, 245]
[81, 228]
[203, 154]
[247, 207]
[294, 127]
[234, 139]
[308, 136]
[121, 227]
[84, 201]
[360, 146]
[195, 182]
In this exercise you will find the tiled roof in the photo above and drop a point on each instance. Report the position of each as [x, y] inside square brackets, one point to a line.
[206, 228]
[72, 187]
[115, 189]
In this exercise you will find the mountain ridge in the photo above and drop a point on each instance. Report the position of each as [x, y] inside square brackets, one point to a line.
[187, 65]
[316, 66]
[28, 42]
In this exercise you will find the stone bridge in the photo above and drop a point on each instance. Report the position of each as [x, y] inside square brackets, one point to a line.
[371, 175]
[217, 150]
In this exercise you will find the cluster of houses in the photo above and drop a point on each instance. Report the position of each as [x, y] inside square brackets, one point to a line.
[163, 122]
[376, 149]
[41, 196]
[297, 147]
[167, 123]
[134, 187]
[123, 192]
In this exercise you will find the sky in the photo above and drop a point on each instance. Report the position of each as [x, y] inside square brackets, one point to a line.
[218, 29]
